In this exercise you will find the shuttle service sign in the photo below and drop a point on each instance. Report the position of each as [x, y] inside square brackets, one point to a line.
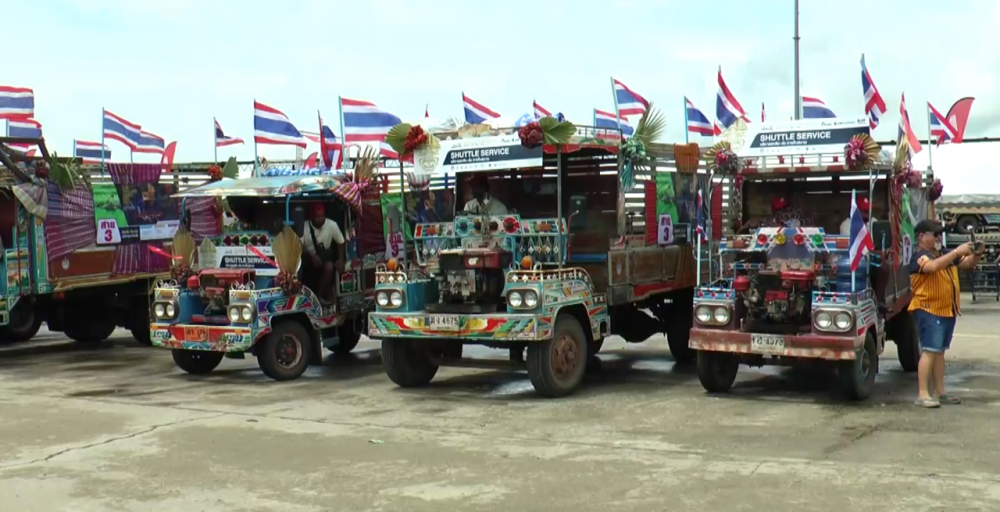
[806, 137]
[496, 152]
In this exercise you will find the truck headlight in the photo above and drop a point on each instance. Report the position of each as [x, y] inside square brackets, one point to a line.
[514, 299]
[833, 320]
[703, 314]
[170, 310]
[843, 321]
[530, 299]
[159, 310]
[823, 320]
[246, 313]
[721, 315]
[234, 314]
[396, 299]
[382, 299]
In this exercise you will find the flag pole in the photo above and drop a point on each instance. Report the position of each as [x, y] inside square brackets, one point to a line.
[343, 136]
[854, 204]
[215, 139]
[256, 165]
[687, 130]
[319, 120]
[798, 96]
[930, 144]
[102, 142]
[614, 94]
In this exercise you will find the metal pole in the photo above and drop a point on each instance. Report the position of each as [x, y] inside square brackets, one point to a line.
[686, 130]
[930, 144]
[102, 143]
[559, 208]
[614, 94]
[798, 95]
[255, 164]
[215, 141]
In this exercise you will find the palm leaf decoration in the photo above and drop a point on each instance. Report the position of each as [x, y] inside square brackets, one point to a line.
[231, 169]
[397, 136]
[651, 126]
[287, 250]
[556, 132]
[902, 156]
[183, 246]
[367, 166]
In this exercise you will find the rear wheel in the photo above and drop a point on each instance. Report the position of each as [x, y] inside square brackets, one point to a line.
[82, 329]
[717, 370]
[140, 324]
[556, 366]
[407, 362]
[967, 224]
[678, 336]
[857, 378]
[196, 362]
[24, 323]
[283, 354]
[907, 338]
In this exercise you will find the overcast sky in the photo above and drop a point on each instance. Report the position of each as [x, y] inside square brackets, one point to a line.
[173, 65]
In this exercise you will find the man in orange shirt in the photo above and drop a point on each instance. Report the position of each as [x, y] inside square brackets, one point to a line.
[935, 305]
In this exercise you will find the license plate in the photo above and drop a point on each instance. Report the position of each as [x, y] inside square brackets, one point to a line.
[767, 344]
[443, 322]
[195, 334]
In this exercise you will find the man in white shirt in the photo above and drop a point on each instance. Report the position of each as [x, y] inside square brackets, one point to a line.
[318, 248]
[481, 196]
[864, 206]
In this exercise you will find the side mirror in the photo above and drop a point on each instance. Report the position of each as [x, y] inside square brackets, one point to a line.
[882, 235]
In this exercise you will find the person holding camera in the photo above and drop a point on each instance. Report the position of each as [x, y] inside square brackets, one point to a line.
[318, 246]
[935, 306]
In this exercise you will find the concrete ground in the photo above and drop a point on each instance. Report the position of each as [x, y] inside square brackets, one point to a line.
[118, 427]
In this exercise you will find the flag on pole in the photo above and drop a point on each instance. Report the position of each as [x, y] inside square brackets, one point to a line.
[364, 122]
[906, 130]
[958, 116]
[861, 240]
[330, 147]
[763, 117]
[149, 143]
[874, 106]
[630, 103]
[475, 112]
[90, 152]
[221, 139]
[604, 119]
[814, 108]
[727, 109]
[941, 127]
[24, 127]
[271, 126]
[119, 129]
[16, 102]
[697, 122]
[716, 129]
[540, 111]
[427, 112]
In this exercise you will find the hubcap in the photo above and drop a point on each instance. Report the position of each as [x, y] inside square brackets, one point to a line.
[866, 363]
[288, 351]
[564, 359]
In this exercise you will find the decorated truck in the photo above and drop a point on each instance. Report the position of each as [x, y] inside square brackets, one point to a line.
[82, 247]
[786, 293]
[970, 213]
[549, 252]
[253, 289]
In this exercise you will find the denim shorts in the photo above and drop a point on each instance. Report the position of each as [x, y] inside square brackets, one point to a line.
[935, 331]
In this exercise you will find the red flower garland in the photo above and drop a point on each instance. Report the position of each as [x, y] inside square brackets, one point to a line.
[180, 273]
[855, 154]
[936, 189]
[414, 139]
[214, 173]
[531, 135]
[288, 283]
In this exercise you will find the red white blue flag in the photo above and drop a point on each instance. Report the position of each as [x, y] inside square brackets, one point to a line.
[629, 102]
[540, 111]
[16, 102]
[941, 127]
[861, 240]
[221, 139]
[697, 122]
[874, 106]
[272, 126]
[814, 108]
[477, 113]
[906, 130]
[727, 108]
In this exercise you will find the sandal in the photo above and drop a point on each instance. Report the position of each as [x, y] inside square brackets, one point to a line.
[949, 399]
[927, 403]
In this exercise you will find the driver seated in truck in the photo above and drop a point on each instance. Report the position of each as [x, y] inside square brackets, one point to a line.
[481, 196]
[318, 246]
[864, 205]
[782, 215]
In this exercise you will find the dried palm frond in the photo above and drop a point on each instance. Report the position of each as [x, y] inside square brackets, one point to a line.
[367, 165]
[396, 137]
[651, 126]
[287, 250]
[902, 156]
[183, 246]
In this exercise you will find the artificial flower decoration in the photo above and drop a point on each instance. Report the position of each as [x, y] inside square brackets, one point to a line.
[722, 159]
[531, 135]
[214, 173]
[860, 152]
[936, 189]
[288, 283]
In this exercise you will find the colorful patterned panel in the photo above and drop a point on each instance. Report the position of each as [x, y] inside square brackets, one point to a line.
[201, 337]
[470, 327]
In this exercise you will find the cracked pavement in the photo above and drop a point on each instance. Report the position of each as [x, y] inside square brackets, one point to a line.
[119, 428]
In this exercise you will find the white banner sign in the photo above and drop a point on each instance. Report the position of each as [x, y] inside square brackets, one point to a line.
[805, 137]
[665, 235]
[240, 256]
[496, 152]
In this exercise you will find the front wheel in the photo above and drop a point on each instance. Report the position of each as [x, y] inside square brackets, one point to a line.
[556, 366]
[407, 363]
[857, 377]
[678, 336]
[24, 323]
[283, 354]
[140, 325]
[717, 370]
[907, 338]
[196, 362]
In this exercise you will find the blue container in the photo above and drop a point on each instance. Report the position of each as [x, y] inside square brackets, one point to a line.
[844, 275]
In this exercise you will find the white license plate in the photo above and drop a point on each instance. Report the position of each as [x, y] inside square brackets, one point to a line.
[443, 322]
[767, 344]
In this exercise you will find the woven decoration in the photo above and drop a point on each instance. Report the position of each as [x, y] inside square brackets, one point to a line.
[861, 152]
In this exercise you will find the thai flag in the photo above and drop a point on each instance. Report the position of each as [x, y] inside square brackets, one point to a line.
[540, 111]
[221, 139]
[149, 143]
[475, 112]
[118, 128]
[271, 126]
[874, 106]
[330, 147]
[941, 127]
[604, 119]
[90, 152]
[861, 239]
[906, 130]
[16, 102]
[24, 127]
[364, 122]
[697, 122]
[814, 108]
[716, 129]
[629, 102]
[727, 109]
[700, 219]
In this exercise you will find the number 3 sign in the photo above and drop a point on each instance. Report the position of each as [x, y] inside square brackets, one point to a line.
[665, 232]
[108, 232]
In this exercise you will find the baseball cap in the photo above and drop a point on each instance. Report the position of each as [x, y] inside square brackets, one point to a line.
[928, 226]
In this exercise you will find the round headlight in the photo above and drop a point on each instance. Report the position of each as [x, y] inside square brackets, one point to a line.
[158, 310]
[171, 311]
[703, 314]
[234, 314]
[396, 298]
[382, 298]
[514, 299]
[530, 299]
[246, 313]
[823, 320]
[721, 315]
[842, 320]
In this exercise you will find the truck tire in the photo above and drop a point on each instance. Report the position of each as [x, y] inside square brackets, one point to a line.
[857, 378]
[556, 366]
[140, 326]
[967, 224]
[406, 363]
[196, 362]
[89, 330]
[717, 370]
[678, 336]
[25, 321]
[283, 354]
[348, 336]
[907, 338]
